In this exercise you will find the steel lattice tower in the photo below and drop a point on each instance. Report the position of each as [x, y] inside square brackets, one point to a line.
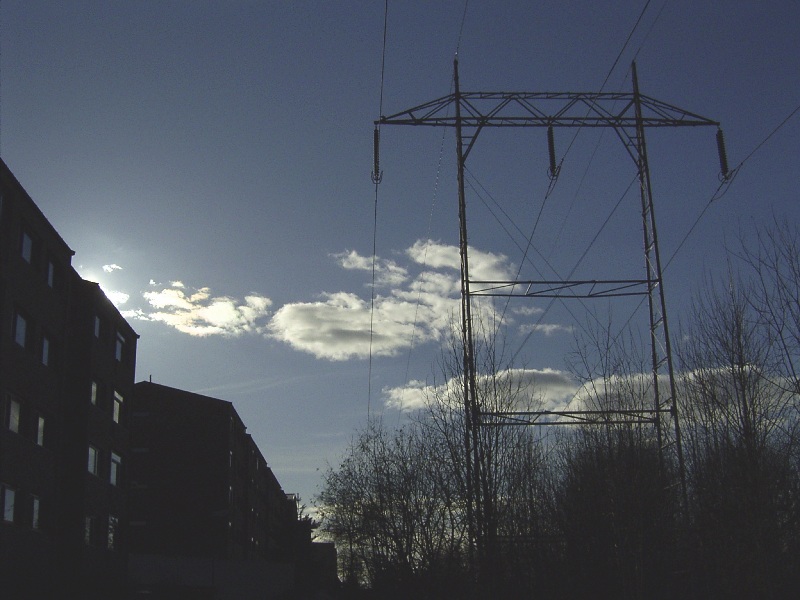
[628, 114]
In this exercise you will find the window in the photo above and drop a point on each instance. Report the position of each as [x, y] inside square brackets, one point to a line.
[119, 347]
[116, 466]
[26, 247]
[8, 498]
[113, 523]
[12, 415]
[93, 395]
[45, 350]
[20, 330]
[96, 326]
[117, 406]
[40, 430]
[92, 464]
[88, 530]
[51, 273]
[35, 513]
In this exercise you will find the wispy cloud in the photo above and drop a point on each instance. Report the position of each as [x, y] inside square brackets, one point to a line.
[111, 268]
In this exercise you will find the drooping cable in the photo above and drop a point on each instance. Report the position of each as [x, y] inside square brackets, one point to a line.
[424, 264]
[461, 29]
[577, 264]
[377, 176]
[552, 183]
[720, 191]
[611, 70]
[727, 180]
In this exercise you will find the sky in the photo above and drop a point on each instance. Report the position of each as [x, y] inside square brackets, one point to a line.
[209, 163]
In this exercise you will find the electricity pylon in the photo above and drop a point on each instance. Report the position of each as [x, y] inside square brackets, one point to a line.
[629, 114]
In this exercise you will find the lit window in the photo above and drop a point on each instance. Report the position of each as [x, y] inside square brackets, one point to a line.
[88, 529]
[13, 415]
[26, 247]
[94, 393]
[116, 466]
[20, 330]
[45, 350]
[113, 522]
[8, 504]
[119, 347]
[40, 430]
[92, 463]
[35, 513]
[117, 406]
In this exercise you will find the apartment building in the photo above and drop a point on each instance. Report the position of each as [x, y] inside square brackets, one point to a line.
[67, 362]
[202, 493]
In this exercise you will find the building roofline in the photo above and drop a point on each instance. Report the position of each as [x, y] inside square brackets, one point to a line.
[6, 172]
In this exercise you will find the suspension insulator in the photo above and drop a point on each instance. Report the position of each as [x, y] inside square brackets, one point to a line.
[723, 155]
[377, 175]
[551, 146]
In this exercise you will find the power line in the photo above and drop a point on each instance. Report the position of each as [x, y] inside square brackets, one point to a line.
[727, 181]
[377, 175]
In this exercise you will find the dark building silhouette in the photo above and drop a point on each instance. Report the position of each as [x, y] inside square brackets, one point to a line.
[208, 517]
[199, 484]
[110, 490]
[67, 361]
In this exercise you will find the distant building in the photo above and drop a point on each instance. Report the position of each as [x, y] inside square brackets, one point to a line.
[207, 515]
[67, 362]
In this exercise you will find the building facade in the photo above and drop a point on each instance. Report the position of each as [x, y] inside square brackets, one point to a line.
[67, 362]
[202, 490]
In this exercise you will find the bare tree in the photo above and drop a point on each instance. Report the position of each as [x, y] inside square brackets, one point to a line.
[396, 504]
[740, 421]
[617, 502]
[775, 264]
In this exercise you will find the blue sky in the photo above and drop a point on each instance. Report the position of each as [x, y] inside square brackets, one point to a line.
[210, 164]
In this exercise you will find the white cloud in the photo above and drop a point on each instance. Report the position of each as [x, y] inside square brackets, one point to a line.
[409, 397]
[527, 311]
[387, 272]
[337, 327]
[200, 314]
[117, 298]
[483, 266]
[111, 268]
[415, 309]
[551, 387]
[547, 329]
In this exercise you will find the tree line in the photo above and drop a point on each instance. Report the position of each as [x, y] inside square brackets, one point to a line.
[597, 511]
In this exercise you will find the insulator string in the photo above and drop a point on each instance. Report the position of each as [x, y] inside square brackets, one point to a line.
[723, 155]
